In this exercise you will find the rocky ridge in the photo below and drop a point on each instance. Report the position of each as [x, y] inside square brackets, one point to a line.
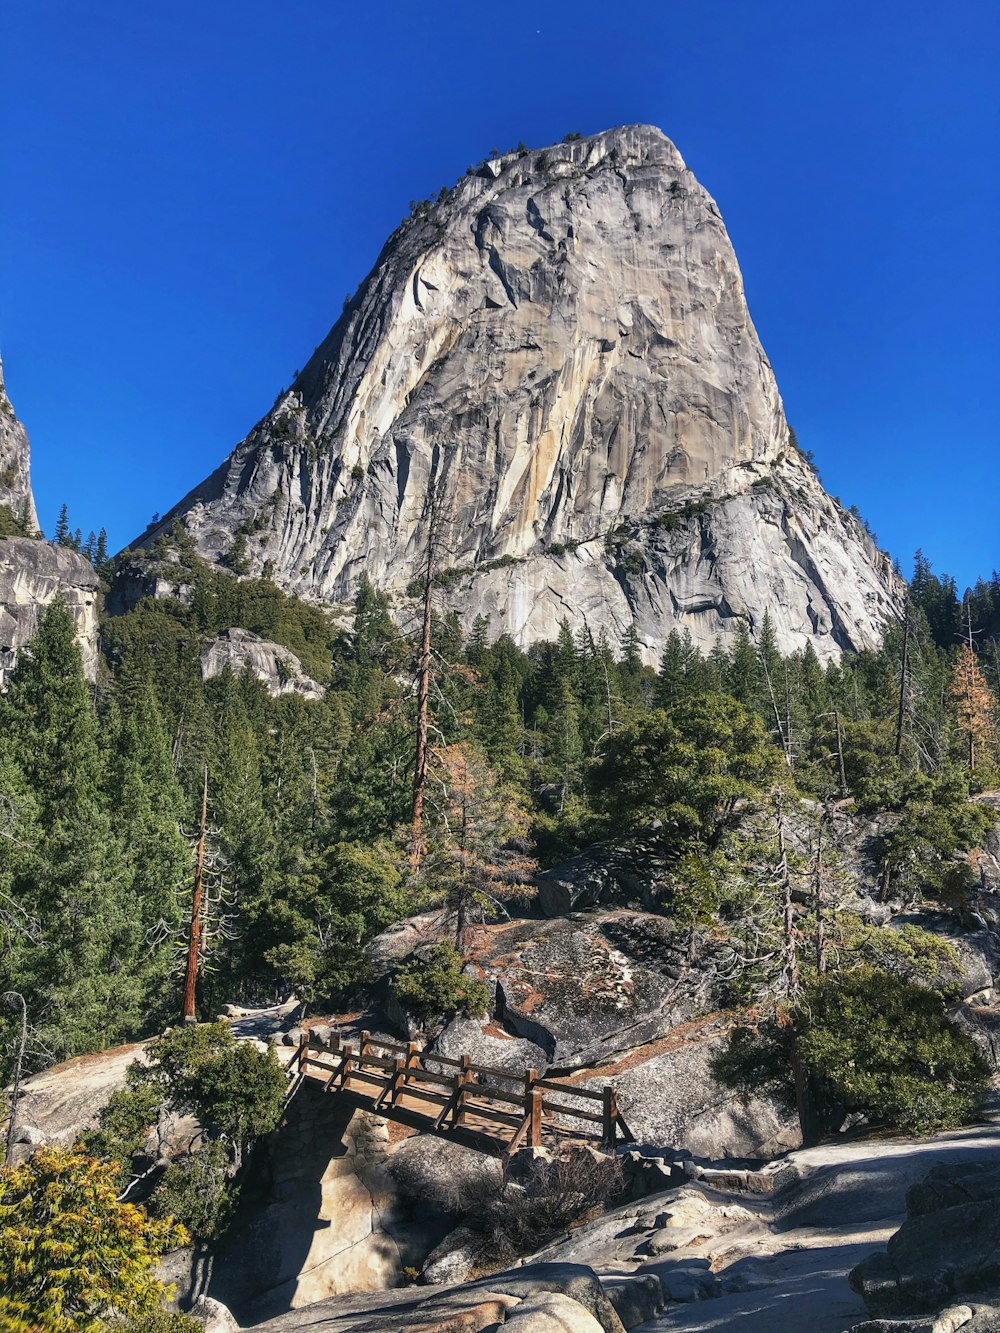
[551, 379]
[15, 466]
[32, 572]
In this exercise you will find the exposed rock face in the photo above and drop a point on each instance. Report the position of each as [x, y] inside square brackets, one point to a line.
[279, 668]
[585, 990]
[559, 352]
[15, 462]
[669, 1096]
[59, 1104]
[319, 1216]
[32, 574]
[949, 1245]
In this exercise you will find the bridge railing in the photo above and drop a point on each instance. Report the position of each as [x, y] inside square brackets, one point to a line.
[524, 1110]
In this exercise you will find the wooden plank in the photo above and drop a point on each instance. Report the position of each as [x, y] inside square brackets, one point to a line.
[553, 1085]
[416, 1075]
[381, 1061]
[443, 1059]
[424, 1094]
[516, 1140]
[493, 1071]
[450, 1105]
[627, 1135]
[572, 1113]
[496, 1094]
[392, 1084]
[366, 1076]
[490, 1113]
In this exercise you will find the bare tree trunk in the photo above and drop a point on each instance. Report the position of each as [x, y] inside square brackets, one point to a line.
[903, 671]
[188, 1013]
[840, 754]
[777, 716]
[423, 695]
[790, 967]
[818, 899]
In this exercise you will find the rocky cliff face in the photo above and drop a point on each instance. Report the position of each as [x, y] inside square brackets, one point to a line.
[33, 573]
[551, 378]
[15, 476]
[276, 667]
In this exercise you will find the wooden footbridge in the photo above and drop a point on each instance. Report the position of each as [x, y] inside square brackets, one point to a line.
[495, 1111]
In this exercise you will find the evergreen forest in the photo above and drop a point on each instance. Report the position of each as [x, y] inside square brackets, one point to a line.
[309, 843]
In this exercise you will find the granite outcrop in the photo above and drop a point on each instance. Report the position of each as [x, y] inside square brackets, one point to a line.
[550, 382]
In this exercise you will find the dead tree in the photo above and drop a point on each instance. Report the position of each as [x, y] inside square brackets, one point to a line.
[212, 907]
[188, 1014]
[433, 514]
[904, 680]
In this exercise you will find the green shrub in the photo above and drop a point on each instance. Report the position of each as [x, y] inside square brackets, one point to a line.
[197, 1190]
[235, 1090]
[868, 1043]
[71, 1253]
[437, 988]
[163, 1321]
[10, 526]
[887, 1048]
[123, 1124]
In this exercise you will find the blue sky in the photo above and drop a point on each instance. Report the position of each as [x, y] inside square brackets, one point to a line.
[189, 190]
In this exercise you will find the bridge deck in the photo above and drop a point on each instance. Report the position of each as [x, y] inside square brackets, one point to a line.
[492, 1110]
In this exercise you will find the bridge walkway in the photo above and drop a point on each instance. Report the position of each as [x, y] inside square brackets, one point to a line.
[491, 1110]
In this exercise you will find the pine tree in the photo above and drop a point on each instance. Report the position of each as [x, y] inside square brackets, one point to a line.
[146, 804]
[742, 678]
[498, 720]
[672, 679]
[478, 644]
[81, 984]
[62, 537]
[974, 704]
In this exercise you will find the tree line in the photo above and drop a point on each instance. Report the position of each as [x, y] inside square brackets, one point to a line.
[530, 755]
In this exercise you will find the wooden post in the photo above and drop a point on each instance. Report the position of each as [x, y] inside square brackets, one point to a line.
[303, 1051]
[412, 1059]
[464, 1077]
[188, 1014]
[529, 1078]
[398, 1077]
[610, 1116]
[535, 1111]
